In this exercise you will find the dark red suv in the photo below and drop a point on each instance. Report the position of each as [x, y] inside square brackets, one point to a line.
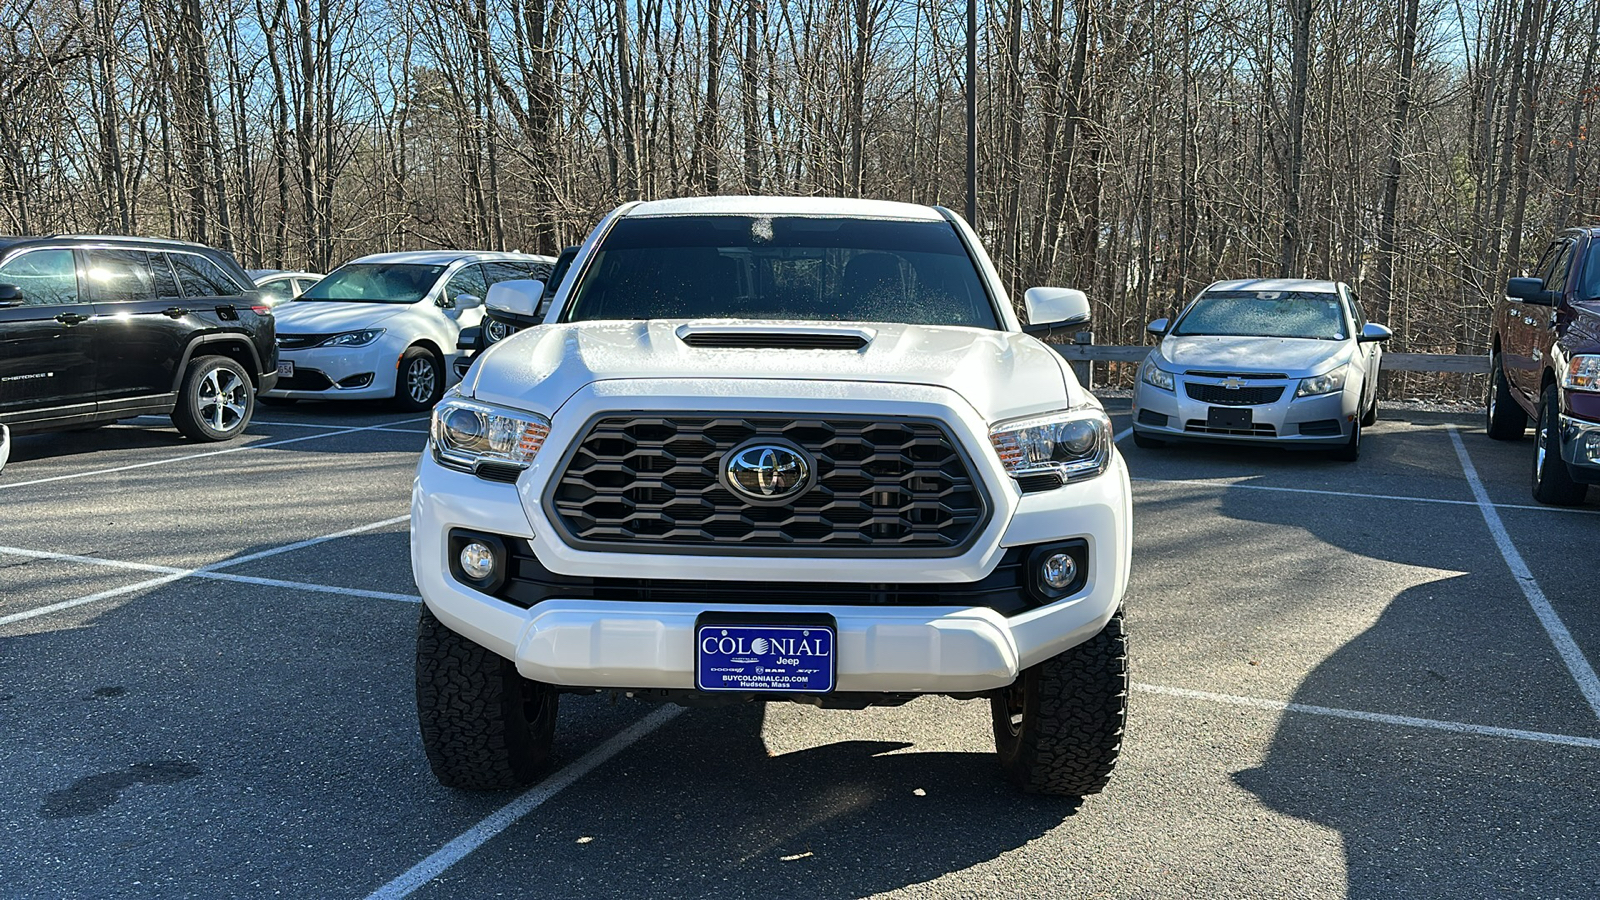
[1544, 363]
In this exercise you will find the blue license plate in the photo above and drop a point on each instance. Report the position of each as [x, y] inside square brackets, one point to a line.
[782, 659]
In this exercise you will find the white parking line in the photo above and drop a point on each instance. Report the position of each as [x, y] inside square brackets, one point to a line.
[1359, 495]
[1122, 434]
[502, 818]
[175, 459]
[1540, 737]
[210, 571]
[1577, 663]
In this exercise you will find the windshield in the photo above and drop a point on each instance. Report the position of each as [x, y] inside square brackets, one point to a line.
[1285, 314]
[375, 283]
[785, 267]
[1591, 273]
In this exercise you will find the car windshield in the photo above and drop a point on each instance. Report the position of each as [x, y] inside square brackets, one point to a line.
[1591, 273]
[1284, 314]
[375, 283]
[783, 267]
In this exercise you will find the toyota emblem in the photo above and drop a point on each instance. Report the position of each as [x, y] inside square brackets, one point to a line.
[767, 473]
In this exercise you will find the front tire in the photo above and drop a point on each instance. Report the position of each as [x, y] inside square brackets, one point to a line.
[1058, 729]
[1552, 483]
[1505, 419]
[484, 727]
[419, 383]
[1351, 451]
[216, 400]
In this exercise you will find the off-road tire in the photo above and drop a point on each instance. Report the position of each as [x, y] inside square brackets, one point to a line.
[1505, 419]
[1351, 451]
[405, 397]
[1070, 713]
[1147, 443]
[1552, 482]
[484, 727]
[216, 400]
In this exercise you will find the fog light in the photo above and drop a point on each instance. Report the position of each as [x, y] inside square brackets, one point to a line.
[1059, 571]
[477, 561]
[1591, 446]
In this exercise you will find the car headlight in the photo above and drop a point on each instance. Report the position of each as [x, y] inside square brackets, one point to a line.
[465, 433]
[1322, 384]
[353, 338]
[495, 330]
[1155, 376]
[1583, 373]
[1075, 444]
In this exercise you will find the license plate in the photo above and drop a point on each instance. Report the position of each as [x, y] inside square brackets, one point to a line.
[285, 369]
[1231, 419]
[776, 659]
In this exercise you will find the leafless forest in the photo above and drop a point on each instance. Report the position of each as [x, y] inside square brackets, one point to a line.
[1420, 149]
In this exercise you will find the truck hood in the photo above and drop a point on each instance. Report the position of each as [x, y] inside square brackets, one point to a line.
[332, 316]
[1002, 374]
[1295, 357]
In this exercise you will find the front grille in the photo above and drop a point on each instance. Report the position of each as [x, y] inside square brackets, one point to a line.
[1248, 376]
[1004, 590]
[304, 380]
[1218, 395]
[300, 341]
[636, 482]
[1199, 426]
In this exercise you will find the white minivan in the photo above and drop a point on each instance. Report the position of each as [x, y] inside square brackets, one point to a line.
[385, 326]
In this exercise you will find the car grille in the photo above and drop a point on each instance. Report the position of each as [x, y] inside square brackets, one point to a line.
[636, 482]
[529, 582]
[1218, 395]
[1199, 426]
[304, 380]
[300, 341]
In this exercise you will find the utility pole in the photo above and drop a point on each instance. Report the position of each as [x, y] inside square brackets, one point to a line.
[972, 113]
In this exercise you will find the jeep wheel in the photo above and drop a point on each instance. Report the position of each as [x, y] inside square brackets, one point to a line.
[216, 400]
[484, 727]
[1058, 729]
[420, 381]
[1552, 483]
[1506, 420]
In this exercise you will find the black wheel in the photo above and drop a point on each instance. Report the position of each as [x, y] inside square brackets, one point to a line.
[1351, 451]
[1058, 729]
[420, 382]
[1552, 483]
[1370, 417]
[484, 727]
[1144, 442]
[279, 401]
[216, 400]
[1505, 418]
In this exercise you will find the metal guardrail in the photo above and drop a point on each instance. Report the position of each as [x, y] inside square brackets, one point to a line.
[1395, 362]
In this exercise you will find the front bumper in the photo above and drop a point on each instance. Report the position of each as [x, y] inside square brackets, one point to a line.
[321, 369]
[1580, 449]
[1324, 420]
[881, 649]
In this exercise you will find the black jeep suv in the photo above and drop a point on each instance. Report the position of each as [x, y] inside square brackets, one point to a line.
[95, 329]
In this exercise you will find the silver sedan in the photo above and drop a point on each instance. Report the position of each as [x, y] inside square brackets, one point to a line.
[1279, 360]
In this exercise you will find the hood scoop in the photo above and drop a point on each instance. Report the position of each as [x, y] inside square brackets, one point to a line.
[775, 337]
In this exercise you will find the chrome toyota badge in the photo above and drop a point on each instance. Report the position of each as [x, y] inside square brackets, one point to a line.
[766, 473]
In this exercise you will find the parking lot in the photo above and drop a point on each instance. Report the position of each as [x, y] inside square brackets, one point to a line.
[1369, 680]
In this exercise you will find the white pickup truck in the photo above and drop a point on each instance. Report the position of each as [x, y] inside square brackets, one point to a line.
[771, 449]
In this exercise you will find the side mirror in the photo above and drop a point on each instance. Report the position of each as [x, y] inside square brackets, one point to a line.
[10, 295]
[1531, 290]
[1157, 328]
[1050, 309]
[468, 338]
[467, 301]
[1372, 333]
[517, 298]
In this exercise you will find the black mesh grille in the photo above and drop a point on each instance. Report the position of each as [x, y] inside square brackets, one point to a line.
[1245, 396]
[300, 341]
[899, 486]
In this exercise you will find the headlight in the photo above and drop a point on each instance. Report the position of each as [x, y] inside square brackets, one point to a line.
[1583, 373]
[495, 330]
[1075, 444]
[1155, 376]
[353, 338]
[465, 433]
[1321, 384]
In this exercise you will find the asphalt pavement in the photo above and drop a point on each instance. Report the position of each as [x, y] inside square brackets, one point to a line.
[1351, 680]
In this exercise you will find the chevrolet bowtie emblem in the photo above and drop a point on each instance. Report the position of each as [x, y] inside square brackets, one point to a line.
[1233, 384]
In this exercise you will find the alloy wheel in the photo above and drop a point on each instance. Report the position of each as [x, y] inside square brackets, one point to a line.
[421, 379]
[221, 399]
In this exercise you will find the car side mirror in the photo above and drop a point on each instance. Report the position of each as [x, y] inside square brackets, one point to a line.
[467, 301]
[1157, 328]
[468, 338]
[1531, 290]
[1372, 333]
[10, 295]
[1051, 309]
[517, 298]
